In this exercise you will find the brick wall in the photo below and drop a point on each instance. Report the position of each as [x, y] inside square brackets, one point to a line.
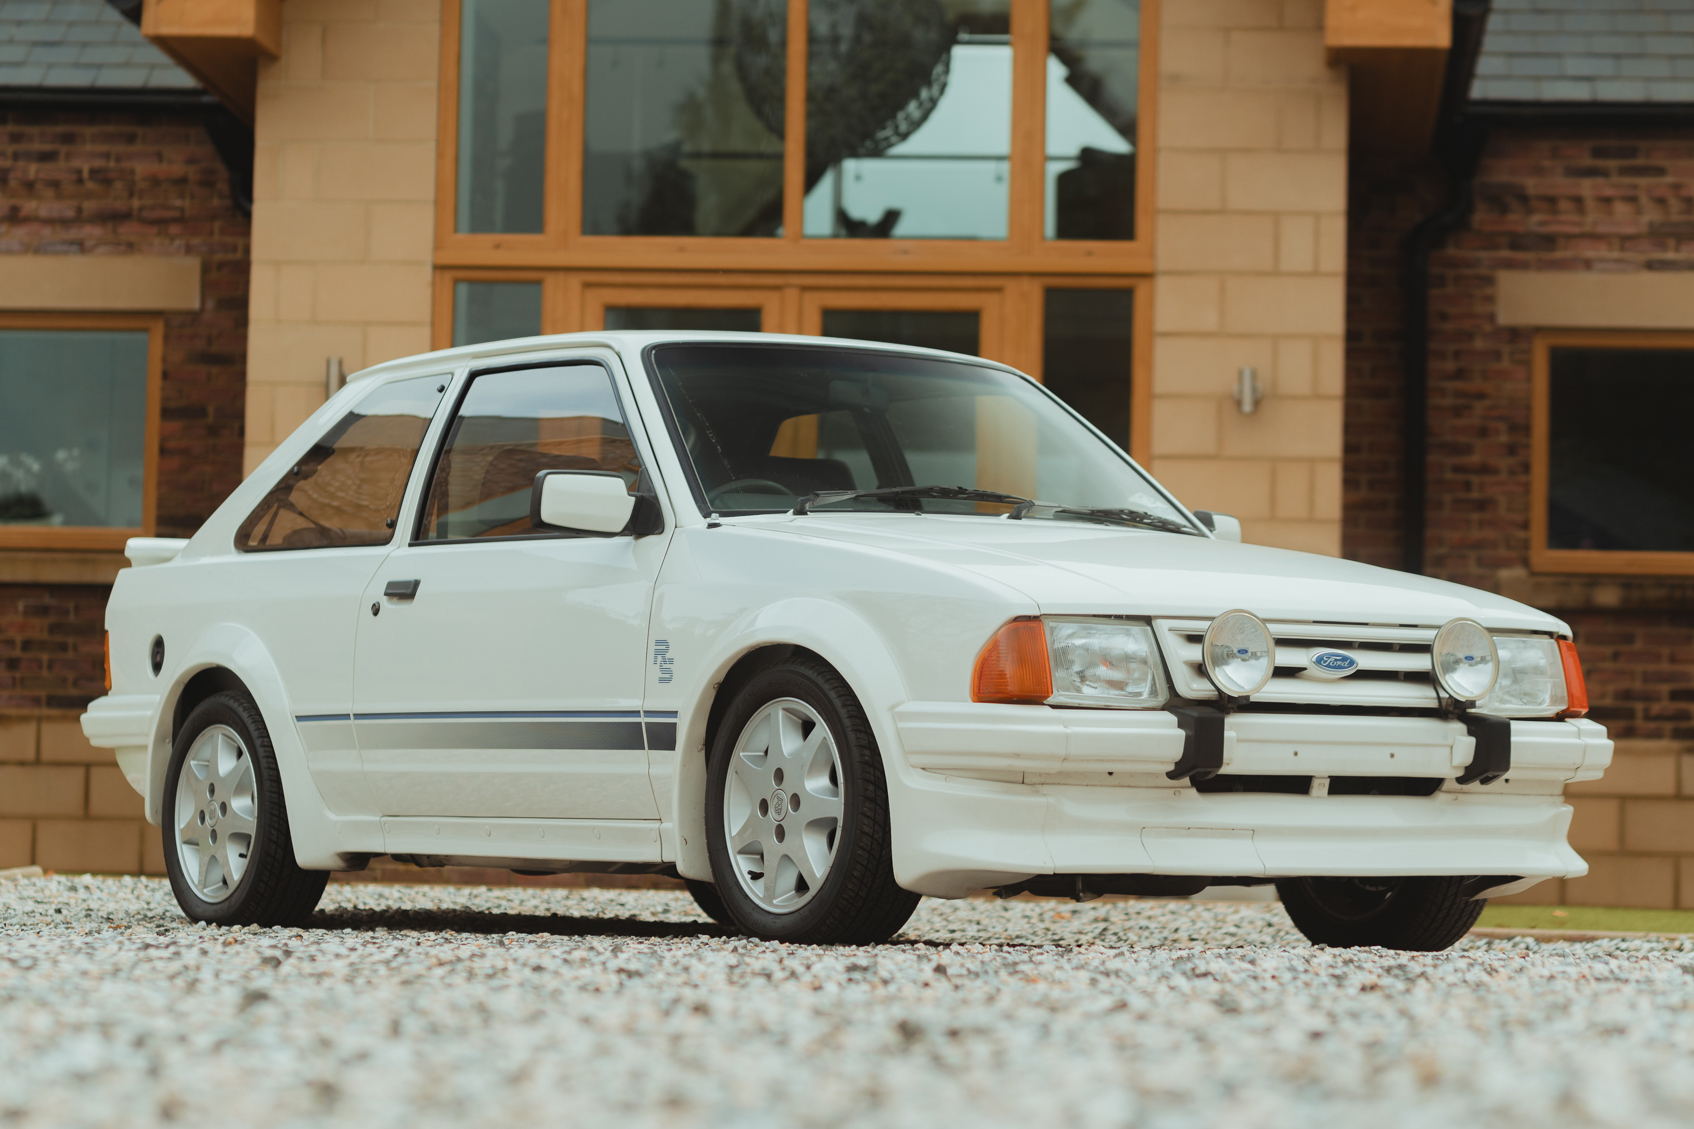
[104, 183]
[100, 183]
[1546, 200]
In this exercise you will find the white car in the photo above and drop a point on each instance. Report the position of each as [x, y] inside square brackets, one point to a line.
[820, 627]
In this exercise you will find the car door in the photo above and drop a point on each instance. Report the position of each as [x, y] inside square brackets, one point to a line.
[305, 555]
[499, 668]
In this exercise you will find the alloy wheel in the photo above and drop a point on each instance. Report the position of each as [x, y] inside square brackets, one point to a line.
[783, 806]
[216, 813]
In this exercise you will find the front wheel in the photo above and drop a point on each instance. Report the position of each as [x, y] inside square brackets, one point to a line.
[227, 848]
[797, 822]
[1420, 915]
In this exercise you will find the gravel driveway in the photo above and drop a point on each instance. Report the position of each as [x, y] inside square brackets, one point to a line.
[424, 1006]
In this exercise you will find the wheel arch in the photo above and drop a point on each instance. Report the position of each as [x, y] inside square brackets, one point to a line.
[230, 657]
[830, 632]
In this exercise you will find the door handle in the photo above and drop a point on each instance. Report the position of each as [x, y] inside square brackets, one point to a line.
[401, 589]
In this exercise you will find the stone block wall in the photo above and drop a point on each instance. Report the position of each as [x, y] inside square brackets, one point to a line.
[1550, 200]
[344, 191]
[65, 806]
[1252, 197]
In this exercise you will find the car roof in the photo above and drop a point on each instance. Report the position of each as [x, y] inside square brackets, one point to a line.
[518, 348]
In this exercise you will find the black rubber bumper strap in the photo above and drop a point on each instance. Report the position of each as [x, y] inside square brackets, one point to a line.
[1202, 745]
[1493, 757]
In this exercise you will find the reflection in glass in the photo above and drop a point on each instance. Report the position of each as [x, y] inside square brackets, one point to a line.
[684, 118]
[495, 311]
[908, 118]
[73, 426]
[1093, 71]
[1087, 355]
[957, 331]
[502, 115]
[1618, 450]
[655, 318]
[512, 426]
[346, 490]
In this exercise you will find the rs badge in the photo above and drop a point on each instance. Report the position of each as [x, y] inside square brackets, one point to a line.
[1329, 665]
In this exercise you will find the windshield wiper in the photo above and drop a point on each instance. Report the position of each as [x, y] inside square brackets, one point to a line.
[1107, 514]
[949, 493]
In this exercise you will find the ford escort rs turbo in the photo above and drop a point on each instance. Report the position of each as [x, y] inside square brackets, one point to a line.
[820, 627]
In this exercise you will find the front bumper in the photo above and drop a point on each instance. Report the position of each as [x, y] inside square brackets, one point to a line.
[997, 794]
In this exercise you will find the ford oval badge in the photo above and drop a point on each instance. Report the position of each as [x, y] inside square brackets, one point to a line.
[1330, 664]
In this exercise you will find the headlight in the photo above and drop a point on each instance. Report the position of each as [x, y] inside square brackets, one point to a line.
[1465, 661]
[1239, 654]
[1103, 663]
[1532, 678]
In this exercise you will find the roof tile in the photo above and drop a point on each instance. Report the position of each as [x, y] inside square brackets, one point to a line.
[79, 43]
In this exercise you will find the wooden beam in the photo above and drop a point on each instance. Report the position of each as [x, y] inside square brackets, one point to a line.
[219, 42]
[1396, 53]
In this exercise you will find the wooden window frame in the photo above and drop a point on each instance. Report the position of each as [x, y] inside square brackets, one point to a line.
[1589, 561]
[101, 537]
[1013, 308]
[562, 244]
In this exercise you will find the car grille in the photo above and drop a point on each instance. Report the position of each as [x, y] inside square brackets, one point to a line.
[1393, 671]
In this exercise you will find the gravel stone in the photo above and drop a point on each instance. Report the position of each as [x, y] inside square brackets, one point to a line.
[413, 1006]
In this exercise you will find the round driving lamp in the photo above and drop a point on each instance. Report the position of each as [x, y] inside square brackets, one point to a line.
[1466, 663]
[1239, 654]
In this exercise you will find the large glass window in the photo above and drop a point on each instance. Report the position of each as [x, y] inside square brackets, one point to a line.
[908, 119]
[512, 426]
[502, 115]
[347, 489]
[495, 311]
[684, 118]
[73, 427]
[1617, 443]
[957, 331]
[762, 427]
[637, 318]
[1093, 77]
[1088, 350]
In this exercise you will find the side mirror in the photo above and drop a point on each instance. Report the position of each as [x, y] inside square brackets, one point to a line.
[1223, 527]
[581, 501]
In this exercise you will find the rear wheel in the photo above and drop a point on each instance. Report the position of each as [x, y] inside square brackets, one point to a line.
[227, 848]
[797, 820]
[1424, 915]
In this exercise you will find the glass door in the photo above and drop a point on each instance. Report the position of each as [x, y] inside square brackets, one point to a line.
[958, 321]
[657, 308]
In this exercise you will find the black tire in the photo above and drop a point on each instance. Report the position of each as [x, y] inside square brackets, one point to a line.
[271, 890]
[1420, 915]
[857, 902]
[706, 897]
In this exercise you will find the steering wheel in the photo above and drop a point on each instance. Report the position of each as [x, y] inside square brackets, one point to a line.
[752, 486]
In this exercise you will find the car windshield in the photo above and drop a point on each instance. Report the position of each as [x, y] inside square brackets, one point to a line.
[766, 426]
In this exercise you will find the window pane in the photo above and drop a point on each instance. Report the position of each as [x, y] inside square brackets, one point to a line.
[1087, 355]
[346, 490]
[1618, 475]
[1093, 74]
[502, 115]
[511, 427]
[654, 317]
[684, 119]
[908, 118]
[73, 427]
[495, 311]
[955, 330]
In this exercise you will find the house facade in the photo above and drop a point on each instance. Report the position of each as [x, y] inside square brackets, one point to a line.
[1191, 218]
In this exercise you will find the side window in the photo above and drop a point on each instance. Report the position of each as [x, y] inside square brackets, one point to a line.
[347, 489]
[512, 426]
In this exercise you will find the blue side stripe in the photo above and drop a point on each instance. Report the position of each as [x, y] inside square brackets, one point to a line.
[516, 715]
[325, 717]
[659, 715]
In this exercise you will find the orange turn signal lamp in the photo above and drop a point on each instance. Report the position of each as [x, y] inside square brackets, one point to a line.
[108, 662]
[1013, 668]
[1576, 687]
